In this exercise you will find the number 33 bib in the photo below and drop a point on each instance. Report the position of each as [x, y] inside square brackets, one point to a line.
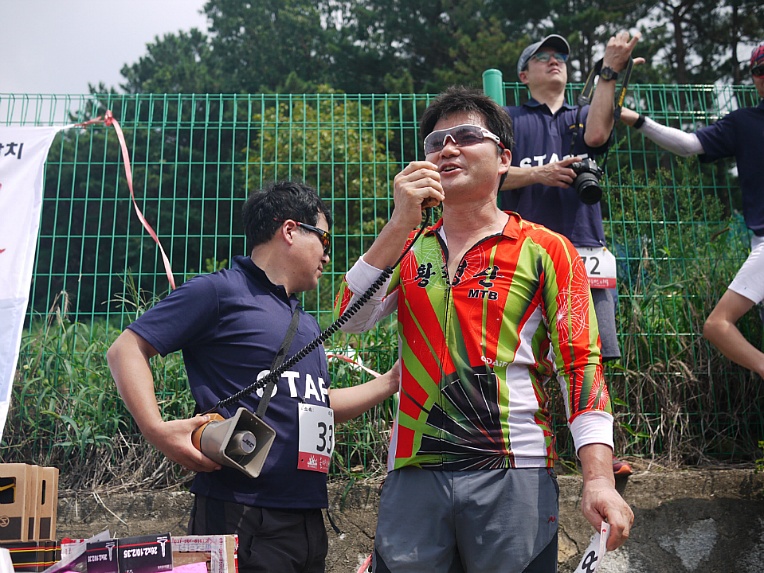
[316, 438]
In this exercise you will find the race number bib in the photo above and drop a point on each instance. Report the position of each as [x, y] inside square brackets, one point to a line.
[596, 550]
[316, 438]
[600, 266]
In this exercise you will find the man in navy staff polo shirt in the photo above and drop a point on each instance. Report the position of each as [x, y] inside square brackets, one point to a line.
[739, 134]
[229, 326]
[550, 135]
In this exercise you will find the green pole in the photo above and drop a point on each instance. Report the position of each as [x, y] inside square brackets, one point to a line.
[493, 85]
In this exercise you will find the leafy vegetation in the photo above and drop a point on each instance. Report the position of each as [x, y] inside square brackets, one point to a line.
[669, 380]
[400, 46]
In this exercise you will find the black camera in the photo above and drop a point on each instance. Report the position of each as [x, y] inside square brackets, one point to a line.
[587, 181]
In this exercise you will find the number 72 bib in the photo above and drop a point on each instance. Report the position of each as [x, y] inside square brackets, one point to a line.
[316, 438]
[600, 266]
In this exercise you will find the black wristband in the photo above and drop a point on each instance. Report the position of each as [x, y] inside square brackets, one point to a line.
[640, 121]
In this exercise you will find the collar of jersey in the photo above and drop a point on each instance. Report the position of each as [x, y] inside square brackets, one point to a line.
[511, 230]
[248, 266]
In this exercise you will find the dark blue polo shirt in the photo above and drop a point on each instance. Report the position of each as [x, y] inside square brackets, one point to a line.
[740, 134]
[540, 138]
[229, 325]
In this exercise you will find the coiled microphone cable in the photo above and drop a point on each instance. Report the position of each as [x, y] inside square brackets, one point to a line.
[331, 329]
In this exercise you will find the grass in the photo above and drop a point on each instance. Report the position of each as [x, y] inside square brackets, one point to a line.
[66, 412]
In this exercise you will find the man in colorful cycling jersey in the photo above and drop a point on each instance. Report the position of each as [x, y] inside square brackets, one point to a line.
[491, 309]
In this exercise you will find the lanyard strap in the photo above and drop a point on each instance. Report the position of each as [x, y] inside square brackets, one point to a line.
[359, 301]
[278, 359]
[585, 97]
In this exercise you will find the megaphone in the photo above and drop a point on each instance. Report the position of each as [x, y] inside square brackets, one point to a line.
[242, 441]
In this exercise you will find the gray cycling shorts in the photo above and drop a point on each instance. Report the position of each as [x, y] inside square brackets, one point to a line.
[604, 308]
[475, 521]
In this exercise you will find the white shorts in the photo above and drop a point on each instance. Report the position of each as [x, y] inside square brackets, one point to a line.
[749, 280]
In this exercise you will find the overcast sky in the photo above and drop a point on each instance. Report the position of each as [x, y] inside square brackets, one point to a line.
[59, 46]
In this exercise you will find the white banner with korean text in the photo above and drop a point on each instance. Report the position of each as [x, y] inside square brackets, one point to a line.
[23, 151]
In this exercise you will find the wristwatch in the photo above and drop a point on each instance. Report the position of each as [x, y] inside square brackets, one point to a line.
[608, 74]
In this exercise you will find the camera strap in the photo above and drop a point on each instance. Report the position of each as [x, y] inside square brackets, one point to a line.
[277, 361]
[585, 97]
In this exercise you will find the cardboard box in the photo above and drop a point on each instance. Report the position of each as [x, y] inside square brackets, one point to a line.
[145, 553]
[74, 552]
[101, 556]
[220, 551]
[17, 501]
[33, 556]
[33, 489]
[28, 502]
[46, 510]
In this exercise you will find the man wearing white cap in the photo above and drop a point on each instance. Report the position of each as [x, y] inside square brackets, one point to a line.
[550, 136]
[739, 134]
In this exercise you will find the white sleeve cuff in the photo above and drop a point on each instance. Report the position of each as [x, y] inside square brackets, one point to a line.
[362, 275]
[594, 427]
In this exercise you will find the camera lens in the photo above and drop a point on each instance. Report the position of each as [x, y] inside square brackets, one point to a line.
[588, 188]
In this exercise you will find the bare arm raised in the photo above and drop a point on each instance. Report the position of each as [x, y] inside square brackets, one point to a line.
[600, 121]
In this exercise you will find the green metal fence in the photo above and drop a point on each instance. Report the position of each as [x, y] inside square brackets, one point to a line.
[673, 224]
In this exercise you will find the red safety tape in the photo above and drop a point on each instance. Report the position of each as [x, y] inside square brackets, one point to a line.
[365, 566]
[331, 355]
[109, 120]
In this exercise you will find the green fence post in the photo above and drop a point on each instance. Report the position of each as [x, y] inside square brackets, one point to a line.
[493, 85]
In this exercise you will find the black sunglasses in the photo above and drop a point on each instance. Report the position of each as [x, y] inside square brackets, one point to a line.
[325, 236]
[758, 71]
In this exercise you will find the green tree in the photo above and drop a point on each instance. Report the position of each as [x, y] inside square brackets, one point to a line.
[472, 55]
[256, 45]
[386, 46]
[175, 63]
[426, 41]
[697, 41]
[331, 143]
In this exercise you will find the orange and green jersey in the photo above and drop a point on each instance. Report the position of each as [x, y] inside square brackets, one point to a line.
[478, 349]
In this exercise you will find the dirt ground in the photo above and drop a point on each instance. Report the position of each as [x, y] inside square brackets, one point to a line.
[690, 520]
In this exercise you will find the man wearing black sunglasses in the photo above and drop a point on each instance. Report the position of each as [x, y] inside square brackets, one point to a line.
[739, 134]
[230, 326]
[491, 309]
[550, 136]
